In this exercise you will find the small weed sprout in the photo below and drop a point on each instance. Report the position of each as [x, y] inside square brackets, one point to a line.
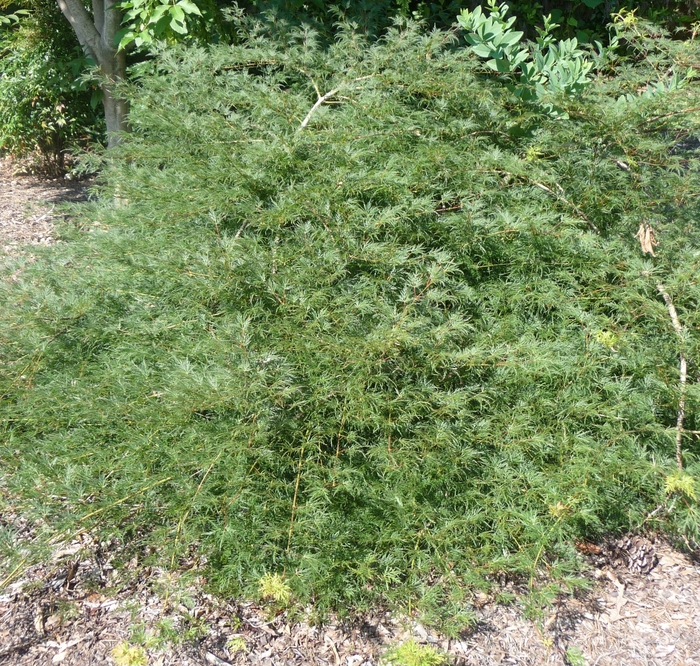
[167, 631]
[67, 611]
[505, 598]
[141, 635]
[411, 653]
[236, 644]
[129, 655]
[606, 338]
[272, 587]
[574, 657]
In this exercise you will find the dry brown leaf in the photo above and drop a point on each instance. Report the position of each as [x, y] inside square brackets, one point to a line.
[647, 238]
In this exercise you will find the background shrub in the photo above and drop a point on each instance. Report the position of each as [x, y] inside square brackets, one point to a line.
[45, 103]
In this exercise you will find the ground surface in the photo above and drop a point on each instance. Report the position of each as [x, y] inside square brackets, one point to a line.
[88, 604]
[28, 206]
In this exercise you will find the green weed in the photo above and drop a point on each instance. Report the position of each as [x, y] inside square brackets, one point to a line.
[129, 655]
[236, 644]
[574, 657]
[273, 587]
[411, 653]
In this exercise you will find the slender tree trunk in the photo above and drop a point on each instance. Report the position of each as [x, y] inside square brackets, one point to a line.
[116, 108]
[96, 35]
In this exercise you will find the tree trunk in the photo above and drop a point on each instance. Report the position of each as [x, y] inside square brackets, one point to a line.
[116, 108]
[97, 36]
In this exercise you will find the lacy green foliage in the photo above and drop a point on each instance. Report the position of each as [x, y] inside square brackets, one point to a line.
[273, 588]
[45, 103]
[651, 44]
[384, 354]
[574, 657]
[680, 482]
[129, 655]
[411, 653]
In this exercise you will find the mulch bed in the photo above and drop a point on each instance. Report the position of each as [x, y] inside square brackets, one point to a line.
[28, 205]
[77, 608]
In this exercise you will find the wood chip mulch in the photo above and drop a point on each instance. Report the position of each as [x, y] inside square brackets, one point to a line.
[28, 206]
[79, 608]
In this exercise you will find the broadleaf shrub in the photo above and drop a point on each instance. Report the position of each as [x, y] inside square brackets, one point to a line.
[47, 103]
[544, 69]
[385, 350]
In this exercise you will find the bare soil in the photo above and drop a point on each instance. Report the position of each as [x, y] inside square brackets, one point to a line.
[89, 603]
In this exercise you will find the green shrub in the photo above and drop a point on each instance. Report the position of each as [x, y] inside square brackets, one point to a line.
[545, 69]
[585, 20]
[384, 350]
[45, 104]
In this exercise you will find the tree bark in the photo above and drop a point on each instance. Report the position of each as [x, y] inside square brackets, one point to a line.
[96, 35]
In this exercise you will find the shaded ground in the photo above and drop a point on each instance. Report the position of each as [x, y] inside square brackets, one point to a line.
[28, 206]
[86, 606]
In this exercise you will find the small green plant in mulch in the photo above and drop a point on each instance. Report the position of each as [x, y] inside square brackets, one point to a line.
[272, 587]
[574, 657]
[360, 315]
[236, 644]
[411, 653]
[67, 610]
[125, 654]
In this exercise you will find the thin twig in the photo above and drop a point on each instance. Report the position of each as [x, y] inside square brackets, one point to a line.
[683, 372]
[561, 198]
[313, 82]
[651, 514]
[294, 501]
[549, 190]
[323, 98]
[319, 101]
[44, 216]
[249, 65]
[446, 210]
[673, 113]
[240, 230]
[124, 499]
[185, 515]
[12, 575]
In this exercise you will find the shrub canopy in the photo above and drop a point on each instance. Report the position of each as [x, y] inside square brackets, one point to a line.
[391, 352]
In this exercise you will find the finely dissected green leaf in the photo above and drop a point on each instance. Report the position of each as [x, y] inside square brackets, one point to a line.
[383, 349]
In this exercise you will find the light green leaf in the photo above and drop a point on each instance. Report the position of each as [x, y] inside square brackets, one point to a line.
[178, 26]
[511, 38]
[482, 50]
[503, 65]
[680, 482]
[189, 7]
[177, 14]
